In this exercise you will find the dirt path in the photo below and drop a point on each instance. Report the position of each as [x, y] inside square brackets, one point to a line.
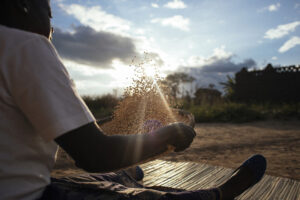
[229, 145]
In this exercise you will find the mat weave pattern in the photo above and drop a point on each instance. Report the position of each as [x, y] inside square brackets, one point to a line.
[192, 176]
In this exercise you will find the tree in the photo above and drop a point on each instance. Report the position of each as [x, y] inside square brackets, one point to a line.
[174, 80]
[229, 87]
[207, 96]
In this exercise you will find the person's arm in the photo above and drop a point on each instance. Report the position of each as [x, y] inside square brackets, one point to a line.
[94, 151]
[42, 90]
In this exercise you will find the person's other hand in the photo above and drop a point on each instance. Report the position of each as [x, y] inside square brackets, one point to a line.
[178, 135]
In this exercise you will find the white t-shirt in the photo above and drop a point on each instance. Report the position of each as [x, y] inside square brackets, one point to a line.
[38, 102]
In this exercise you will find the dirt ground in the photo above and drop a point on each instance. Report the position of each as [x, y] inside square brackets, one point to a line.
[229, 145]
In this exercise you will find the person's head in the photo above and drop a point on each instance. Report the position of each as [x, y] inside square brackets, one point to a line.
[28, 15]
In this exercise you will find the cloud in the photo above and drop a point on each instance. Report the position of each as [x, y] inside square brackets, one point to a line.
[176, 21]
[227, 65]
[221, 61]
[81, 72]
[87, 46]
[98, 48]
[291, 43]
[214, 68]
[281, 30]
[297, 5]
[96, 18]
[90, 80]
[270, 8]
[154, 5]
[175, 4]
[274, 58]
[274, 7]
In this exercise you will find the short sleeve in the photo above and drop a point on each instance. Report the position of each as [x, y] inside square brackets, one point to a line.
[42, 89]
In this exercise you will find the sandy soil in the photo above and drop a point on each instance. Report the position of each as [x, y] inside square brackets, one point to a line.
[229, 145]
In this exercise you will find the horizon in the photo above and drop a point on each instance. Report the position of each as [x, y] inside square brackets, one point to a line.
[97, 40]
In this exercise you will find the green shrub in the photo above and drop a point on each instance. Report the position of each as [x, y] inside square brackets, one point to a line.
[102, 112]
[225, 112]
[101, 106]
[287, 111]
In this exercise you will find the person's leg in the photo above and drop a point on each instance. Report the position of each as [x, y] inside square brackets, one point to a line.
[86, 187]
[122, 177]
[248, 174]
[135, 172]
[106, 186]
[210, 194]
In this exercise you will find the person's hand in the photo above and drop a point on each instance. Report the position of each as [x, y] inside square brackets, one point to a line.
[178, 135]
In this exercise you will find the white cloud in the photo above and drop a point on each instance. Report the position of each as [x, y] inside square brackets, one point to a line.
[274, 7]
[274, 58]
[270, 8]
[96, 18]
[176, 21]
[291, 43]
[154, 5]
[281, 30]
[89, 80]
[140, 31]
[214, 68]
[219, 53]
[175, 4]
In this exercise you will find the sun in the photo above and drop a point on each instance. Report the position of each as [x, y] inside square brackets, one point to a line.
[150, 71]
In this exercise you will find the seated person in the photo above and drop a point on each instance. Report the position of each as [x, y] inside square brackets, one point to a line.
[41, 109]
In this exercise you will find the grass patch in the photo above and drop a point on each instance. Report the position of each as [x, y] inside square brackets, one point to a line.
[101, 106]
[238, 112]
[222, 111]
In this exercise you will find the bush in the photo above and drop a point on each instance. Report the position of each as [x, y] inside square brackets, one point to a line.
[238, 112]
[225, 112]
[287, 111]
[101, 106]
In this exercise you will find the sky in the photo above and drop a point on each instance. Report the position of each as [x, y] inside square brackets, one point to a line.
[100, 41]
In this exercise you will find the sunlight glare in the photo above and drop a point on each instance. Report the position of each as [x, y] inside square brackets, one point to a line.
[165, 102]
[150, 71]
[122, 73]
